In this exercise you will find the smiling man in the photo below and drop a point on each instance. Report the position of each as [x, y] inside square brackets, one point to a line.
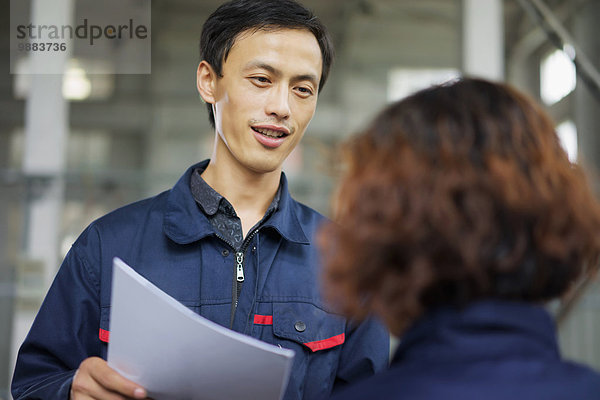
[261, 103]
[227, 240]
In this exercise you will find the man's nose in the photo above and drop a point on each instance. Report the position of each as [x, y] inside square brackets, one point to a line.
[278, 103]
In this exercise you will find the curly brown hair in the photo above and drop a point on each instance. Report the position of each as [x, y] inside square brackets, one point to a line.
[457, 193]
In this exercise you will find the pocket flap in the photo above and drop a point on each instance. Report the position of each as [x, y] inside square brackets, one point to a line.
[308, 325]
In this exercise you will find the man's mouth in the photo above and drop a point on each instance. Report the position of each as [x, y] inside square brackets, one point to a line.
[270, 136]
[273, 133]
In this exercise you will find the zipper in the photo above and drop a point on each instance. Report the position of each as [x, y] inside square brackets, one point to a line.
[236, 289]
[225, 240]
[239, 275]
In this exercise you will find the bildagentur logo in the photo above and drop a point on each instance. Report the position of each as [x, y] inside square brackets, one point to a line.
[84, 30]
[103, 37]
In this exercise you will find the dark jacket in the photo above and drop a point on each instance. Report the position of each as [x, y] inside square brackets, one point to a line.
[492, 350]
[168, 240]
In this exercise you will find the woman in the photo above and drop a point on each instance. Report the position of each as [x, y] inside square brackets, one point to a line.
[459, 216]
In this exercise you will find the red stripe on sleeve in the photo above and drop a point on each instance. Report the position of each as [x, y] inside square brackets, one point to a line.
[326, 343]
[104, 335]
[263, 319]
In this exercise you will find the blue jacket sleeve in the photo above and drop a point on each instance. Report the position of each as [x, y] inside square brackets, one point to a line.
[365, 352]
[64, 333]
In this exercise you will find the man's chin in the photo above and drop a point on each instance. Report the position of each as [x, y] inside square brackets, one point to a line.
[265, 166]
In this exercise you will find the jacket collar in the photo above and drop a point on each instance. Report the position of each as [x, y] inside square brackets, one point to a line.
[482, 330]
[285, 220]
[184, 223]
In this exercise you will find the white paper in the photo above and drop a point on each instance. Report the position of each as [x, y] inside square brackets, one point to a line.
[175, 353]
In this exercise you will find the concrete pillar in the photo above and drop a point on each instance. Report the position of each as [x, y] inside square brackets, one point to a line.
[46, 128]
[483, 39]
[586, 105]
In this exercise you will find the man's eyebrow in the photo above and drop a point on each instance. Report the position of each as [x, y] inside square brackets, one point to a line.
[262, 65]
[267, 67]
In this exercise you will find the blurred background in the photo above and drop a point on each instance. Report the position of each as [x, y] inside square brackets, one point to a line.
[76, 146]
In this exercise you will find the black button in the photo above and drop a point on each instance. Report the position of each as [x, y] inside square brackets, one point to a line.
[225, 253]
[300, 326]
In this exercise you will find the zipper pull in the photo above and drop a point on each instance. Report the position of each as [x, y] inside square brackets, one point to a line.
[240, 267]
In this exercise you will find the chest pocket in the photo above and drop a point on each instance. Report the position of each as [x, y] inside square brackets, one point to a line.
[308, 325]
[316, 337]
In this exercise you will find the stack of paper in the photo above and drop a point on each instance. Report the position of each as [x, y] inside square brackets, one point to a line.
[174, 353]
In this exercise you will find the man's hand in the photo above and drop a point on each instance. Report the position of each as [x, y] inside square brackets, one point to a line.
[94, 379]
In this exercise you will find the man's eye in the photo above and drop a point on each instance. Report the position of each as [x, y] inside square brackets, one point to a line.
[305, 91]
[260, 79]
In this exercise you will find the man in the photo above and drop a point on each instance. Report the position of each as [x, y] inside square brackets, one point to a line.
[227, 241]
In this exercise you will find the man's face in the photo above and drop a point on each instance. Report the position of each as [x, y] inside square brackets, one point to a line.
[267, 96]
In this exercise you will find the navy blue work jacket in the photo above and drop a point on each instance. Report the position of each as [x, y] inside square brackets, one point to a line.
[168, 240]
[492, 350]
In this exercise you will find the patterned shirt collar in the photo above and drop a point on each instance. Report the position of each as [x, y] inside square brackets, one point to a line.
[210, 201]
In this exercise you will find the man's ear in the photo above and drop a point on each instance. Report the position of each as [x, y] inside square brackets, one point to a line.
[206, 82]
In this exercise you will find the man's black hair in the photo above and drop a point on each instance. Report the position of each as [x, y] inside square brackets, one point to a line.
[234, 17]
